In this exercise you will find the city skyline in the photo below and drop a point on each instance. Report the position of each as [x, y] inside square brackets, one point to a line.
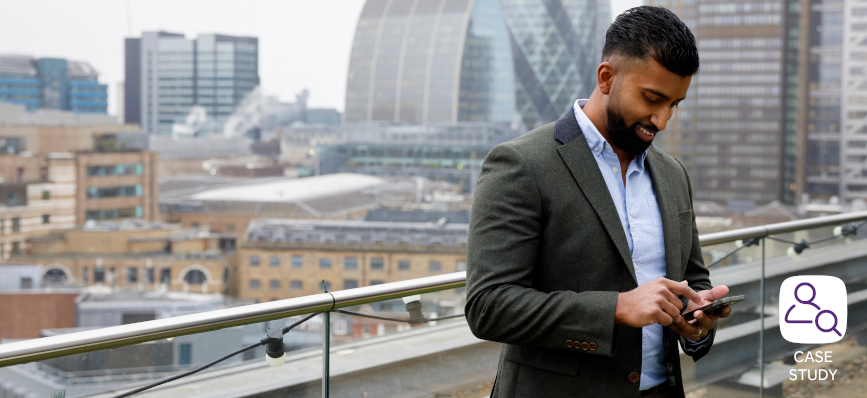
[98, 38]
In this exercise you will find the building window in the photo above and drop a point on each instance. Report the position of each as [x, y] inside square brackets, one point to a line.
[297, 262]
[114, 170]
[403, 265]
[55, 276]
[255, 284]
[85, 277]
[461, 266]
[254, 261]
[194, 225]
[350, 284]
[186, 356]
[195, 277]
[26, 282]
[98, 275]
[324, 263]
[132, 275]
[149, 275]
[166, 275]
[110, 214]
[376, 282]
[46, 219]
[326, 285]
[113, 192]
[16, 224]
[350, 263]
[435, 266]
[43, 174]
[275, 261]
[2, 226]
[46, 195]
[296, 285]
[230, 227]
[16, 247]
[377, 264]
[275, 284]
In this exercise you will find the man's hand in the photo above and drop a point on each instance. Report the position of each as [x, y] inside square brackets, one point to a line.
[690, 330]
[653, 302]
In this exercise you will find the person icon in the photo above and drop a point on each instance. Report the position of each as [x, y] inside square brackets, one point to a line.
[811, 303]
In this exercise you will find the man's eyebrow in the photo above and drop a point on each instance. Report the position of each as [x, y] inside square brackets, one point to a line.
[657, 93]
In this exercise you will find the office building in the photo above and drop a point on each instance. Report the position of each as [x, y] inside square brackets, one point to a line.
[737, 131]
[853, 145]
[822, 90]
[53, 131]
[52, 83]
[522, 62]
[226, 204]
[37, 195]
[290, 258]
[166, 74]
[116, 185]
[136, 255]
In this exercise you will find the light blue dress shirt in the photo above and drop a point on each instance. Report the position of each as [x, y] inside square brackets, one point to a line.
[639, 214]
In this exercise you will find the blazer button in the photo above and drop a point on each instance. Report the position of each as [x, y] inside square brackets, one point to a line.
[585, 346]
[568, 343]
[592, 346]
[633, 377]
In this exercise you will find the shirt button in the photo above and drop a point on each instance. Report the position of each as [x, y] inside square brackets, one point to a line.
[614, 169]
[630, 219]
[596, 148]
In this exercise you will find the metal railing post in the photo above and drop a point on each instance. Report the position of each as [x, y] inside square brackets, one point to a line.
[326, 351]
[762, 330]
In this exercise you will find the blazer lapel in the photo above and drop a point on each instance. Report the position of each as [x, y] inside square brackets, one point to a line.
[659, 175]
[581, 163]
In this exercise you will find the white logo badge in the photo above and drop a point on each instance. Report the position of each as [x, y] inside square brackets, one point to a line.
[813, 309]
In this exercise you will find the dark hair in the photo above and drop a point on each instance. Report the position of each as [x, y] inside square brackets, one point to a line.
[656, 32]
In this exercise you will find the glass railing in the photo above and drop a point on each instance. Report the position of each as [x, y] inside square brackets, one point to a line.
[408, 338]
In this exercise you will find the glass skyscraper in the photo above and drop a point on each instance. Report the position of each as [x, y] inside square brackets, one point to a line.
[53, 83]
[821, 94]
[737, 129]
[167, 74]
[511, 61]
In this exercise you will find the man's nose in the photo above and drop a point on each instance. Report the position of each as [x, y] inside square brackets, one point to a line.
[660, 118]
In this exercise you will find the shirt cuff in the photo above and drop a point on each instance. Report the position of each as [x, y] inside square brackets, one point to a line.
[694, 343]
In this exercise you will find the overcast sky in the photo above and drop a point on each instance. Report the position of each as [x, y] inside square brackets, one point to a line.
[302, 43]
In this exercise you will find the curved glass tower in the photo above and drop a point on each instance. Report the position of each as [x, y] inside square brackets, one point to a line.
[429, 61]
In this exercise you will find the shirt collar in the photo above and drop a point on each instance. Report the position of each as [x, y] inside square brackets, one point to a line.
[594, 138]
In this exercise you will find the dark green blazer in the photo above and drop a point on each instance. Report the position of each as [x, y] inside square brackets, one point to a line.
[547, 256]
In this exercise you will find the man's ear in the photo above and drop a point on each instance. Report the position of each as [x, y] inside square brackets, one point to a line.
[605, 77]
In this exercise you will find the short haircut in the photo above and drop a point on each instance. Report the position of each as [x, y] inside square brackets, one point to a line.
[655, 32]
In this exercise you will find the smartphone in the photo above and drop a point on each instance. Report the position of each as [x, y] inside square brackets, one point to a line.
[714, 306]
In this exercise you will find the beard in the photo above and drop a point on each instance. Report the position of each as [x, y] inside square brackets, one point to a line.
[622, 136]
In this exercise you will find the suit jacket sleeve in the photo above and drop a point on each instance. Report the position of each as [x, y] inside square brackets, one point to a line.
[502, 251]
[698, 277]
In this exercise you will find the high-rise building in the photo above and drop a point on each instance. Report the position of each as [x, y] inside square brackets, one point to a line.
[737, 129]
[853, 144]
[513, 61]
[166, 74]
[52, 83]
[821, 93]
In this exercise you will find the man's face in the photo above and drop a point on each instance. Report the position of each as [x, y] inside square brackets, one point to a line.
[641, 102]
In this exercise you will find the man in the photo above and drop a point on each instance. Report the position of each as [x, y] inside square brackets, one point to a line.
[583, 248]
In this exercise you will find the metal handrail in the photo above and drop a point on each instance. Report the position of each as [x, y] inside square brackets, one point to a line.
[117, 336]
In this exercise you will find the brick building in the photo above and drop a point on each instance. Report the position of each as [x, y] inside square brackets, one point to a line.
[289, 258]
[116, 185]
[37, 195]
[136, 255]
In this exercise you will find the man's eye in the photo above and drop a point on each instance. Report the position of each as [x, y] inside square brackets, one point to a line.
[651, 100]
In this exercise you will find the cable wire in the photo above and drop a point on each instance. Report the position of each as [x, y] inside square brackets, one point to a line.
[212, 363]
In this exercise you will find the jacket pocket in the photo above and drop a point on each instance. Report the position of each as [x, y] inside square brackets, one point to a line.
[554, 361]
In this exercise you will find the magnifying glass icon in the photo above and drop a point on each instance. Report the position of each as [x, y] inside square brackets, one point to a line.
[834, 328]
[810, 301]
